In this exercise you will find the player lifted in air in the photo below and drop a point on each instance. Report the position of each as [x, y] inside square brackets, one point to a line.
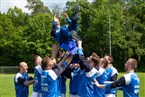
[66, 36]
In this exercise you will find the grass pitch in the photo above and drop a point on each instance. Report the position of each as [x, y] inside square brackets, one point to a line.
[7, 85]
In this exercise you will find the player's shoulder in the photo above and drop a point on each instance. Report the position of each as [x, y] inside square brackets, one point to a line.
[127, 78]
[92, 72]
[52, 74]
[127, 75]
[133, 75]
[39, 68]
[101, 71]
[114, 69]
[18, 75]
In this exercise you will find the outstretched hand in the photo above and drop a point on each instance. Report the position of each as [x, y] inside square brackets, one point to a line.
[66, 55]
[56, 20]
[65, 15]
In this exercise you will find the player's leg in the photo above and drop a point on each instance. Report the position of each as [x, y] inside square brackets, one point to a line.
[74, 20]
[74, 23]
[75, 35]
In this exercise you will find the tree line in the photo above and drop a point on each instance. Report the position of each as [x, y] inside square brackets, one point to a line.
[24, 35]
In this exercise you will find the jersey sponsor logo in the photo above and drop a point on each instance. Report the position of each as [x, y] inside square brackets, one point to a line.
[137, 79]
[43, 77]
[44, 84]
[45, 89]
[36, 79]
[136, 86]
[136, 91]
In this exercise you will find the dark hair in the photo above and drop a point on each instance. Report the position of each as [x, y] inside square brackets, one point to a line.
[35, 58]
[95, 60]
[95, 55]
[105, 62]
[110, 59]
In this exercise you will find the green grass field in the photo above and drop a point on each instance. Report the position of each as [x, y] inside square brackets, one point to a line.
[7, 85]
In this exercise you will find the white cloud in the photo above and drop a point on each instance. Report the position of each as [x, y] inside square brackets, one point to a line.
[6, 4]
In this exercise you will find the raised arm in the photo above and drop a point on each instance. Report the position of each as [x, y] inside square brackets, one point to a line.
[55, 26]
[63, 64]
[68, 20]
[83, 61]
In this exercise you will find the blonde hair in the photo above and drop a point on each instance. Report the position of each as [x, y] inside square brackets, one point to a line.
[133, 62]
[95, 55]
[46, 61]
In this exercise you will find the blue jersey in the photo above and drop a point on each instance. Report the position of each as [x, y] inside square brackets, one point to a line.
[64, 38]
[21, 90]
[74, 81]
[86, 83]
[111, 71]
[131, 87]
[61, 85]
[99, 92]
[49, 84]
[37, 76]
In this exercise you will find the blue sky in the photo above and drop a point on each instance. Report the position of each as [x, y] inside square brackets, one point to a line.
[6, 4]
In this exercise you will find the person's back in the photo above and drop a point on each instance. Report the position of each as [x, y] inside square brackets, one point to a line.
[63, 86]
[131, 89]
[111, 72]
[82, 84]
[51, 72]
[74, 82]
[49, 84]
[86, 83]
[99, 92]
[21, 90]
[37, 76]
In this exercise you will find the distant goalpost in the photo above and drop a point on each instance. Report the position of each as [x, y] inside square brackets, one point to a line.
[9, 69]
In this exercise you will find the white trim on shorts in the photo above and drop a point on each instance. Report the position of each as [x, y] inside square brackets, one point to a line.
[36, 94]
[62, 95]
[110, 95]
[73, 95]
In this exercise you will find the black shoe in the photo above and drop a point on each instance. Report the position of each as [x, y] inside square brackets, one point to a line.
[75, 35]
[76, 10]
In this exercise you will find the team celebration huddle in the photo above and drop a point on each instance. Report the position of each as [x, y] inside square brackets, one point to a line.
[92, 76]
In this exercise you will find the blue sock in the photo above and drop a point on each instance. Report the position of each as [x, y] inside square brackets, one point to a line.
[80, 52]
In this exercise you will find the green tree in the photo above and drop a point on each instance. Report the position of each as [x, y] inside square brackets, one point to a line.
[11, 33]
[37, 7]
